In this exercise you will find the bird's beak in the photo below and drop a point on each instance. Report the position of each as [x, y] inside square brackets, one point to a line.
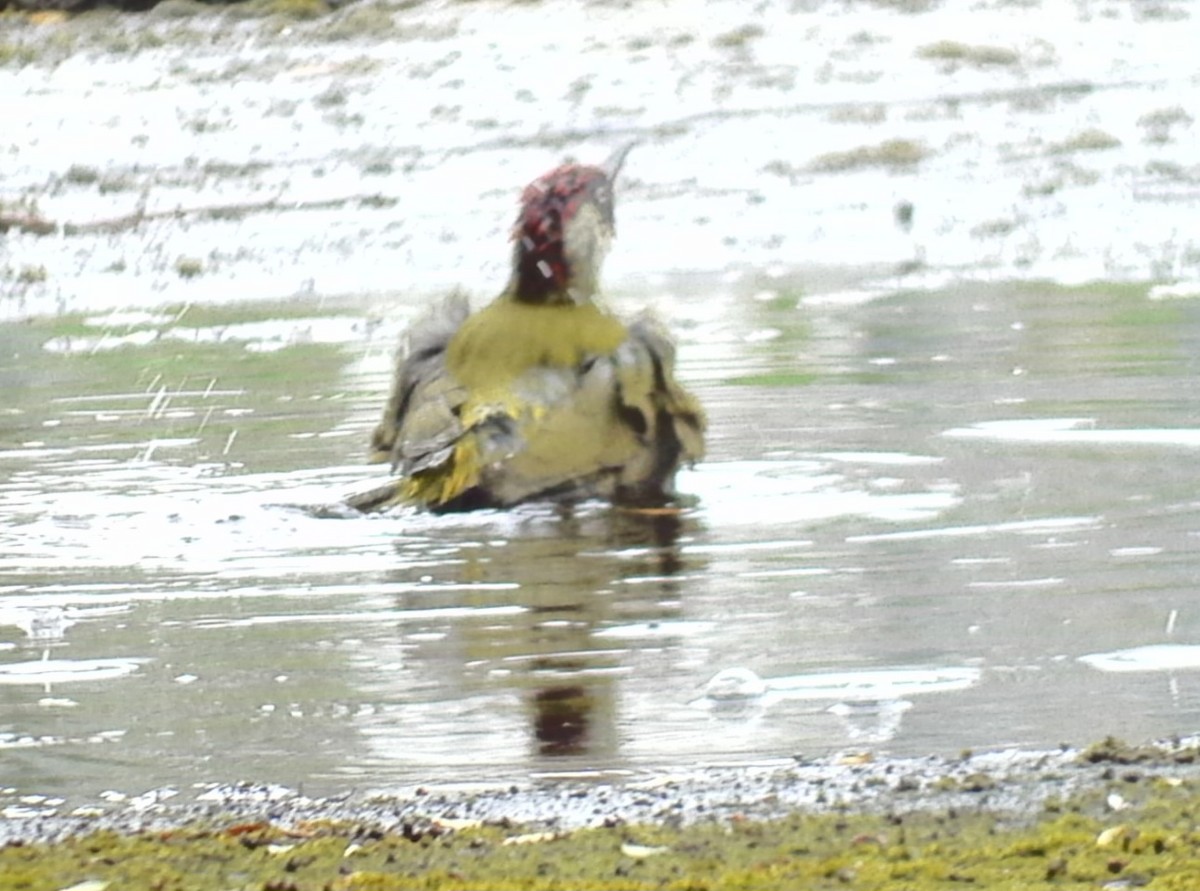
[612, 166]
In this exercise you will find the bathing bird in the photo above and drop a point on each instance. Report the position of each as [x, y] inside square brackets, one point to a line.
[543, 394]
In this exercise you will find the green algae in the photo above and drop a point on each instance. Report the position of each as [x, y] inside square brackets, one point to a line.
[1090, 140]
[1150, 840]
[1112, 750]
[954, 52]
[893, 154]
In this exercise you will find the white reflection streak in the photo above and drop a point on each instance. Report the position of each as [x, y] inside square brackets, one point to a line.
[158, 401]
[376, 616]
[1050, 582]
[99, 344]
[204, 420]
[1075, 431]
[1153, 657]
[47, 671]
[1050, 524]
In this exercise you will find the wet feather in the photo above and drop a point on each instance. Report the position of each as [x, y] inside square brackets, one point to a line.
[542, 393]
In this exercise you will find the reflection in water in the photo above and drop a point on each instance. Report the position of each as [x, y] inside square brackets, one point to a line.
[47, 671]
[886, 494]
[870, 704]
[580, 573]
[562, 715]
[1157, 657]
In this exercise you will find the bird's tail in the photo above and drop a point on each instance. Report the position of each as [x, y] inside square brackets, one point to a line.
[378, 499]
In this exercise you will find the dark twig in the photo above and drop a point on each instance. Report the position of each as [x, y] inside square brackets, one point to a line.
[24, 221]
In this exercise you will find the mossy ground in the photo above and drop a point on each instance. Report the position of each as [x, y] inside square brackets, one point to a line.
[1143, 836]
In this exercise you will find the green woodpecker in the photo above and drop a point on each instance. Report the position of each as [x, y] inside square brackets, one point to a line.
[542, 394]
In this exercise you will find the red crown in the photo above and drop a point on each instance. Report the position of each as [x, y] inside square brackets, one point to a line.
[547, 204]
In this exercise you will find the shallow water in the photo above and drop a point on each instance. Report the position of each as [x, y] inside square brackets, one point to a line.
[920, 513]
[937, 512]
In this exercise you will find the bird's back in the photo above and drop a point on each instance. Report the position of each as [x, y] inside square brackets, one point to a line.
[516, 403]
[541, 394]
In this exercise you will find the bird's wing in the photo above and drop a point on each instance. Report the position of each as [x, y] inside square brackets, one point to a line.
[668, 419]
[558, 436]
[616, 426]
[420, 421]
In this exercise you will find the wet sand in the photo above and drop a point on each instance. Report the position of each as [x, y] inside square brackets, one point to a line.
[1113, 815]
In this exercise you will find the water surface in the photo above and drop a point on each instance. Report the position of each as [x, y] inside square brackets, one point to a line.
[945, 506]
[930, 520]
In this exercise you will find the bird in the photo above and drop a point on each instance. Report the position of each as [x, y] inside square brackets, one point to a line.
[543, 394]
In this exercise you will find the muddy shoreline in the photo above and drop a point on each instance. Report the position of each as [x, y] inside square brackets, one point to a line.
[1112, 816]
[1015, 784]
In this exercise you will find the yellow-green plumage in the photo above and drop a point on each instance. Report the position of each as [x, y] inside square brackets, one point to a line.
[506, 338]
[540, 394]
[571, 404]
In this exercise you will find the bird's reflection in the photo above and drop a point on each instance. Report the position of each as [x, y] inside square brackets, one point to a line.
[574, 576]
[562, 719]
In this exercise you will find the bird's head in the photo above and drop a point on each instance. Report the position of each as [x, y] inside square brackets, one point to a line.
[563, 231]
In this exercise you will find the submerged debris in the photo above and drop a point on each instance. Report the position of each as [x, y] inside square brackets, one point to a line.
[1111, 750]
